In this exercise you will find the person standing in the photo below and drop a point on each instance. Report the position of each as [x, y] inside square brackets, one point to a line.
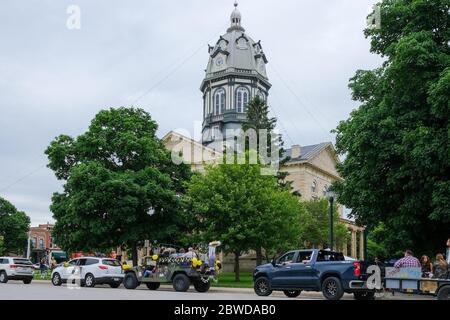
[440, 267]
[408, 261]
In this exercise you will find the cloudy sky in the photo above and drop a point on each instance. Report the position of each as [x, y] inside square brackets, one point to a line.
[152, 53]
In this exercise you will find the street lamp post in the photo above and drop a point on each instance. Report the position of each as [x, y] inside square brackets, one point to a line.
[331, 195]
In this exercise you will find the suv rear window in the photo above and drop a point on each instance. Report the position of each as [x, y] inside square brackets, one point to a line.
[112, 263]
[22, 261]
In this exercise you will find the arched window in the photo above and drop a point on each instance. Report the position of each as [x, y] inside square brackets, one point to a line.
[219, 101]
[242, 97]
[261, 95]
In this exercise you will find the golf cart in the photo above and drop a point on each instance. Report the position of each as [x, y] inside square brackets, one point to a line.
[181, 270]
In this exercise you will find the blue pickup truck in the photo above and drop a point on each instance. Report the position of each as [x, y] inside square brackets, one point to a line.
[313, 270]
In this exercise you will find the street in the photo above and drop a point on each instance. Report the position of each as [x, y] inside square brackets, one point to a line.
[44, 290]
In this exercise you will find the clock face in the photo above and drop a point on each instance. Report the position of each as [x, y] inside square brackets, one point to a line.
[219, 62]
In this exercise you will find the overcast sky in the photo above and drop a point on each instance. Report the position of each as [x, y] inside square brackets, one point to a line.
[54, 80]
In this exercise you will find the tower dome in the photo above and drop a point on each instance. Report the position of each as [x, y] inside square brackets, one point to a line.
[236, 72]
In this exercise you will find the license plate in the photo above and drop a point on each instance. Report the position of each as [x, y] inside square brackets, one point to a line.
[116, 279]
[24, 269]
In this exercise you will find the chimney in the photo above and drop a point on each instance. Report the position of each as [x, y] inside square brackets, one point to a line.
[295, 151]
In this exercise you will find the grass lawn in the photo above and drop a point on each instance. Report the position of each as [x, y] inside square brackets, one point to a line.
[45, 276]
[226, 280]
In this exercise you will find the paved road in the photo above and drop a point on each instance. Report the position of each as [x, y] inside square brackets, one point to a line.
[14, 290]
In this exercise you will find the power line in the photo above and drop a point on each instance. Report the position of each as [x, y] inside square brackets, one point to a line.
[303, 105]
[22, 178]
[177, 67]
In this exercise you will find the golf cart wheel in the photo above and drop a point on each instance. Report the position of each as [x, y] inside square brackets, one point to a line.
[444, 293]
[202, 286]
[181, 282]
[332, 288]
[3, 277]
[153, 285]
[262, 287]
[364, 295]
[130, 281]
[56, 279]
[292, 293]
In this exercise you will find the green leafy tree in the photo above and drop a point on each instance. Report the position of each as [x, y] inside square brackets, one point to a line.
[258, 119]
[121, 186]
[243, 209]
[14, 226]
[315, 225]
[397, 143]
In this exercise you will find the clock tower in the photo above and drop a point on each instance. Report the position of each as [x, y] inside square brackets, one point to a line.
[236, 73]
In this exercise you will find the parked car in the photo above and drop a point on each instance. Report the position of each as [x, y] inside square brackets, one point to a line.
[89, 271]
[12, 268]
[312, 270]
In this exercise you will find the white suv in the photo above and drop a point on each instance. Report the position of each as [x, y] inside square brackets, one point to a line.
[89, 271]
[16, 269]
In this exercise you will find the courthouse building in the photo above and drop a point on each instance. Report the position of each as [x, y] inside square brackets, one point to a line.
[236, 73]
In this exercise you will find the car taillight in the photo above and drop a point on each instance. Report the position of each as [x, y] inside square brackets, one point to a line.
[13, 266]
[103, 267]
[357, 270]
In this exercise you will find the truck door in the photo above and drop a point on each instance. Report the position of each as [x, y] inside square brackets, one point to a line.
[294, 270]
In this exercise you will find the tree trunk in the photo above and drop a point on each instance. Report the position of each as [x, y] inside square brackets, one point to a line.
[259, 256]
[236, 266]
[134, 255]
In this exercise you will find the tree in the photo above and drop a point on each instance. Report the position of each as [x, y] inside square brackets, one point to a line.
[243, 209]
[121, 185]
[14, 226]
[396, 144]
[315, 225]
[258, 119]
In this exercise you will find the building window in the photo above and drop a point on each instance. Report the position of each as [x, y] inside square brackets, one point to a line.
[261, 95]
[242, 95]
[219, 101]
[314, 186]
[41, 243]
[215, 132]
[33, 242]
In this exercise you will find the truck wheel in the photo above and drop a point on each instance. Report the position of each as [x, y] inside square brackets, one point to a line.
[56, 279]
[201, 286]
[27, 281]
[262, 287]
[364, 295]
[3, 277]
[153, 285]
[114, 285]
[332, 288]
[130, 281]
[292, 293]
[444, 293]
[181, 282]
